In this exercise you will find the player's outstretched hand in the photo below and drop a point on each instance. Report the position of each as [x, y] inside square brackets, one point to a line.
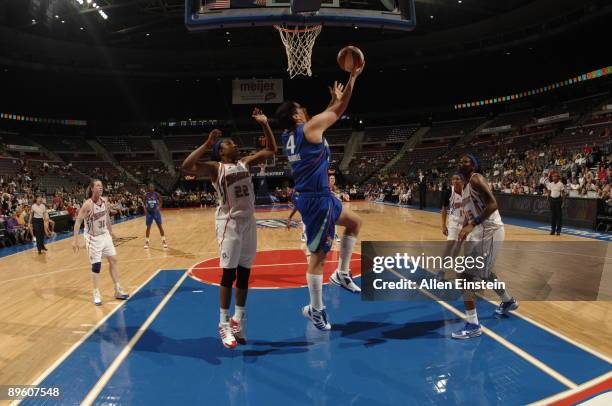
[75, 245]
[336, 91]
[445, 230]
[259, 116]
[213, 136]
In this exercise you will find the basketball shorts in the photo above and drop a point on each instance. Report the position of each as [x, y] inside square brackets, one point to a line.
[454, 227]
[99, 246]
[153, 216]
[237, 239]
[319, 212]
[484, 241]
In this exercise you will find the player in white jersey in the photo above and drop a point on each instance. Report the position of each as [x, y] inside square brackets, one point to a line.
[452, 218]
[98, 239]
[235, 220]
[452, 211]
[483, 234]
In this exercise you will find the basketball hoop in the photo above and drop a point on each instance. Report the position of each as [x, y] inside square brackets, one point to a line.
[298, 45]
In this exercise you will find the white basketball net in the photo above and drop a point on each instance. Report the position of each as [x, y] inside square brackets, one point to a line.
[298, 45]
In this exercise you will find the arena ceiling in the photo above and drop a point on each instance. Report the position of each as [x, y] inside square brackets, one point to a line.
[59, 31]
[142, 62]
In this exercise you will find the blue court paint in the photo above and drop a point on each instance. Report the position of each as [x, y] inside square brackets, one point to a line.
[377, 354]
[78, 373]
[14, 249]
[565, 358]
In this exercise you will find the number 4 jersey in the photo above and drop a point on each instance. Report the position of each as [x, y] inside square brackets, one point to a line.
[235, 190]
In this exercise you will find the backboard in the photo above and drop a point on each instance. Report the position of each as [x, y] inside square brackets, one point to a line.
[382, 14]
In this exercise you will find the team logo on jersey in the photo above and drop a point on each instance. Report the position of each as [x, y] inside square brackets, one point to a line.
[275, 223]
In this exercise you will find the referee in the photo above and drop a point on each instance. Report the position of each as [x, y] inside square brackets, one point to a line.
[38, 214]
[556, 193]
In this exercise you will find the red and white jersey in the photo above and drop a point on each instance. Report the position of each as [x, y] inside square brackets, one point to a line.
[95, 222]
[235, 190]
[455, 205]
[473, 206]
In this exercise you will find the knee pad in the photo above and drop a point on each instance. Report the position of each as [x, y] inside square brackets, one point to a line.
[242, 277]
[95, 268]
[228, 278]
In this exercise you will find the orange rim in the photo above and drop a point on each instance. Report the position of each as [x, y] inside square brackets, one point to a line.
[294, 30]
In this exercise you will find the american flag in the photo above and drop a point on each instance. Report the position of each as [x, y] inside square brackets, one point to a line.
[216, 4]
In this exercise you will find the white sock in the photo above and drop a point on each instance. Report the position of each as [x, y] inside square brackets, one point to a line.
[346, 250]
[223, 315]
[472, 316]
[164, 238]
[95, 280]
[505, 297]
[315, 288]
[147, 240]
[240, 313]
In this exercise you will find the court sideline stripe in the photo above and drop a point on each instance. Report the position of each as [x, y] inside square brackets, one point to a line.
[555, 333]
[565, 394]
[518, 351]
[93, 329]
[108, 374]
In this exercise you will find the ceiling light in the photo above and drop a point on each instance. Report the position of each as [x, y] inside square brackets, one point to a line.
[81, 28]
[63, 21]
[103, 14]
[148, 35]
[431, 17]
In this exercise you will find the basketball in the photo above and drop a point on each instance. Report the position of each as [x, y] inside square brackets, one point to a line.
[350, 57]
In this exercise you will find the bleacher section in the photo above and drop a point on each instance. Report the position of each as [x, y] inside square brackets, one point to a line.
[389, 134]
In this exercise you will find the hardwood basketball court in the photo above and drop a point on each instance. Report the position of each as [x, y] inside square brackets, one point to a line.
[46, 305]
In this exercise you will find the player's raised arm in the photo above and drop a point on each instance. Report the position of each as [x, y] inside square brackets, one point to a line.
[341, 95]
[84, 212]
[270, 149]
[208, 169]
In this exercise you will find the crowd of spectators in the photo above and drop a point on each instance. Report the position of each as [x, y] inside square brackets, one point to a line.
[585, 171]
[18, 192]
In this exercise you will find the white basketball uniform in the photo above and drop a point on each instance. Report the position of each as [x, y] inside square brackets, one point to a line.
[485, 239]
[97, 237]
[236, 228]
[454, 219]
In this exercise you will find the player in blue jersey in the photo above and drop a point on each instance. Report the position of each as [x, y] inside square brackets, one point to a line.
[152, 207]
[309, 155]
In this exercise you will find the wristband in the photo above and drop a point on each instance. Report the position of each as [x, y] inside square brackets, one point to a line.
[477, 220]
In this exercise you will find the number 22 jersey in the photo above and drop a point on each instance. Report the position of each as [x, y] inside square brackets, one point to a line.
[235, 190]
